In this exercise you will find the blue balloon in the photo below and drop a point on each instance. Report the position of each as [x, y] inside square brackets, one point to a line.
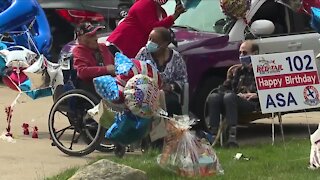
[35, 94]
[122, 64]
[315, 19]
[16, 13]
[106, 87]
[190, 3]
[22, 16]
[128, 128]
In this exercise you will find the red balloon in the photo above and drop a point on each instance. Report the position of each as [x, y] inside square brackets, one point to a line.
[15, 78]
[307, 4]
[140, 67]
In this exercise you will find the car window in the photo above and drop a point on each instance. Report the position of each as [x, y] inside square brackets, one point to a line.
[299, 23]
[207, 16]
[274, 12]
[285, 20]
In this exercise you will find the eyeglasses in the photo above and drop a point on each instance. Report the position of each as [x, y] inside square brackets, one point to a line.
[244, 53]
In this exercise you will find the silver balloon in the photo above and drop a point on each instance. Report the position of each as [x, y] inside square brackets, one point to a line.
[18, 56]
[37, 74]
[54, 71]
[295, 5]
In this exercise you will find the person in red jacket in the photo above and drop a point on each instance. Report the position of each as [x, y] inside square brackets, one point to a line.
[133, 32]
[90, 58]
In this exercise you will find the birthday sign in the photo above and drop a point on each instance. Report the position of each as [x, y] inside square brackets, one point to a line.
[286, 81]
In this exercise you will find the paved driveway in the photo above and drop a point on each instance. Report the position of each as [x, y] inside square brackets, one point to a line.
[30, 158]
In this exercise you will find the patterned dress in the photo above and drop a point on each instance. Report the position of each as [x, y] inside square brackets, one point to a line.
[174, 72]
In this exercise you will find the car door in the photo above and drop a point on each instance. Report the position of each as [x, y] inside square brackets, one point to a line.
[296, 33]
[296, 36]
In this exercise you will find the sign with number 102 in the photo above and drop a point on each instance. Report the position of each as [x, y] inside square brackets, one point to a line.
[286, 81]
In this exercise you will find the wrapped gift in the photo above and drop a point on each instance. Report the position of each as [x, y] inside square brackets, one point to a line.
[184, 154]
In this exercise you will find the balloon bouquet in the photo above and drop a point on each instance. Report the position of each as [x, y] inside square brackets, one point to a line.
[130, 99]
[25, 42]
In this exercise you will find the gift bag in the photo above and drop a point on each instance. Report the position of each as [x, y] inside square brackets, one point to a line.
[128, 128]
[184, 154]
[102, 114]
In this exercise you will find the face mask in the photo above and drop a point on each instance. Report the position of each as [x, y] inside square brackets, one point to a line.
[245, 60]
[152, 47]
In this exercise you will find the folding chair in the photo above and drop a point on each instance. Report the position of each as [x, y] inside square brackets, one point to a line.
[244, 119]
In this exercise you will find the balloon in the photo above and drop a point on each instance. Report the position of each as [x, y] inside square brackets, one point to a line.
[128, 128]
[307, 4]
[54, 71]
[35, 94]
[111, 91]
[295, 5]
[16, 14]
[18, 56]
[126, 68]
[37, 74]
[315, 19]
[142, 96]
[190, 3]
[16, 79]
[235, 8]
[24, 17]
[2, 60]
[107, 88]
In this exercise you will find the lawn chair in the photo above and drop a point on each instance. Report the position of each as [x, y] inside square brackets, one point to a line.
[243, 119]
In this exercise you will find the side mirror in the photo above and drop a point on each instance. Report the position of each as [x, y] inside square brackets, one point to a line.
[262, 27]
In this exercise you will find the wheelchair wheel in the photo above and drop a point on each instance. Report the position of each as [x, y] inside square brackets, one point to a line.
[70, 127]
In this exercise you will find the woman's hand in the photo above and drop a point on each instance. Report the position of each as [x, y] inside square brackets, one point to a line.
[111, 70]
[248, 96]
[178, 11]
[168, 87]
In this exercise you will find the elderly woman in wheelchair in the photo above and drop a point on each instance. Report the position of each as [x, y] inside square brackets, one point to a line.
[89, 59]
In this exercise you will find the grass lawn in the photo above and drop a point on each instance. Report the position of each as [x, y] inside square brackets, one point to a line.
[281, 161]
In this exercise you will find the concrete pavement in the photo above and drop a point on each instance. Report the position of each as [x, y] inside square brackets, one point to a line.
[30, 158]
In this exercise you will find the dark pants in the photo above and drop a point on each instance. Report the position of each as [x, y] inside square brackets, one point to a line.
[230, 105]
[172, 103]
[88, 87]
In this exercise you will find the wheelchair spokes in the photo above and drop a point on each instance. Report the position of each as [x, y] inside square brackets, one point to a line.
[70, 129]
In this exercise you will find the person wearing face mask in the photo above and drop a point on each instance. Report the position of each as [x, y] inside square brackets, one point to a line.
[169, 62]
[237, 95]
[90, 58]
[132, 33]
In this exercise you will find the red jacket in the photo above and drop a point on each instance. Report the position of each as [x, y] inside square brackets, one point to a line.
[85, 63]
[133, 33]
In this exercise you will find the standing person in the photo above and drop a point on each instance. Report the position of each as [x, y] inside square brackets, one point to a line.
[90, 58]
[169, 62]
[133, 32]
[237, 95]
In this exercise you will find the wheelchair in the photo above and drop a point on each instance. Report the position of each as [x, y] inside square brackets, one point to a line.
[71, 129]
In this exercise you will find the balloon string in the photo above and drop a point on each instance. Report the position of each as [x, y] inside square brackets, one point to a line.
[9, 111]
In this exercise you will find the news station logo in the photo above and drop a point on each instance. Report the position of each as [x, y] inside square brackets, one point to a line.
[268, 67]
[311, 96]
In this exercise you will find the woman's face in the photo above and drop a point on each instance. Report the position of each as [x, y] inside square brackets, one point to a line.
[156, 38]
[90, 41]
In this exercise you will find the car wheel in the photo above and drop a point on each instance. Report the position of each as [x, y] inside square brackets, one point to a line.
[208, 85]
